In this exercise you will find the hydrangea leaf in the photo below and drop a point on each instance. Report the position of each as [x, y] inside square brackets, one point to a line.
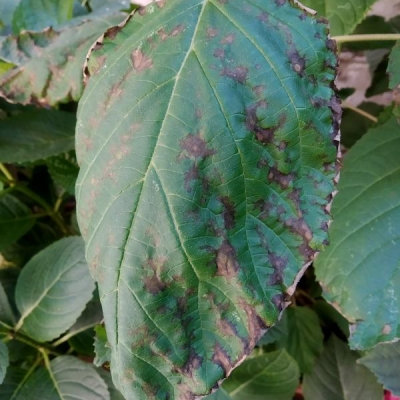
[363, 280]
[206, 171]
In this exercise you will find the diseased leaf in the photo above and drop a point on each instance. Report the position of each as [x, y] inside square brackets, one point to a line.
[205, 175]
[220, 394]
[101, 346]
[337, 376]
[4, 361]
[49, 63]
[272, 376]
[384, 361]
[68, 379]
[36, 15]
[15, 220]
[53, 289]
[363, 279]
[343, 15]
[34, 135]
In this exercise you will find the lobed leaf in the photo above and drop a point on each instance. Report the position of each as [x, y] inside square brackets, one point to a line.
[205, 175]
[48, 67]
[343, 15]
[68, 378]
[53, 289]
[362, 280]
[34, 135]
[272, 376]
[337, 376]
[16, 219]
[384, 361]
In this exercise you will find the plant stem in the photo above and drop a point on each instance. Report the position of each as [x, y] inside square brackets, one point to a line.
[32, 343]
[359, 111]
[28, 374]
[7, 174]
[367, 37]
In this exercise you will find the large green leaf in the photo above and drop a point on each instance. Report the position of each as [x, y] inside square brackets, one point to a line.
[4, 361]
[114, 393]
[384, 361]
[360, 270]
[49, 63]
[11, 385]
[67, 379]
[34, 135]
[337, 376]
[15, 220]
[343, 15]
[53, 289]
[272, 376]
[36, 15]
[205, 175]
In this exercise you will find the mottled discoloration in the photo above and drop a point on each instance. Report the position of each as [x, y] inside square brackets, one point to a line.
[195, 146]
[283, 180]
[280, 3]
[226, 261]
[300, 227]
[263, 17]
[229, 212]
[239, 74]
[221, 358]
[141, 62]
[113, 32]
[193, 363]
[259, 89]
[174, 32]
[255, 325]
[191, 176]
[154, 284]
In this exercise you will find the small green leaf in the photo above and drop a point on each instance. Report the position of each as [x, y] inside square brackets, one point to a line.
[101, 346]
[35, 15]
[363, 279]
[16, 220]
[272, 376]
[384, 361]
[343, 15]
[67, 379]
[49, 63]
[83, 342]
[64, 171]
[6, 314]
[299, 332]
[53, 289]
[4, 361]
[34, 135]
[337, 376]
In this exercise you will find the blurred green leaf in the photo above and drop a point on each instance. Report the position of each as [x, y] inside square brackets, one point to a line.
[101, 346]
[4, 361]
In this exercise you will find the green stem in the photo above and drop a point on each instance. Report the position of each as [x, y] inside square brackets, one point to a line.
[32, 343]
[7, 174]
[367, 37]
[359, 111]
[28, 374]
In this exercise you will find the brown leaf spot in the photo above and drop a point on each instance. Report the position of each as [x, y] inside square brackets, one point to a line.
[195, 146]
[177, 30]
[297, 61]
[113, 32]
[162, 34]
[280, 3]
[153, 284]
[259, 89]
[283, 180]
[141, 62]
[226, 327]
[263, 17]
[221, 358]
[386, 330]
[227, 264]
[219, 53]
[239, 74]
[300, 227]
[229, 212]
[192, 364]
[161, 3]
[255, 325]
[229, 39]
[211, 32]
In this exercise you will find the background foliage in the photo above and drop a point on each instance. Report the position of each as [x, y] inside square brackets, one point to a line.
[338, 337]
